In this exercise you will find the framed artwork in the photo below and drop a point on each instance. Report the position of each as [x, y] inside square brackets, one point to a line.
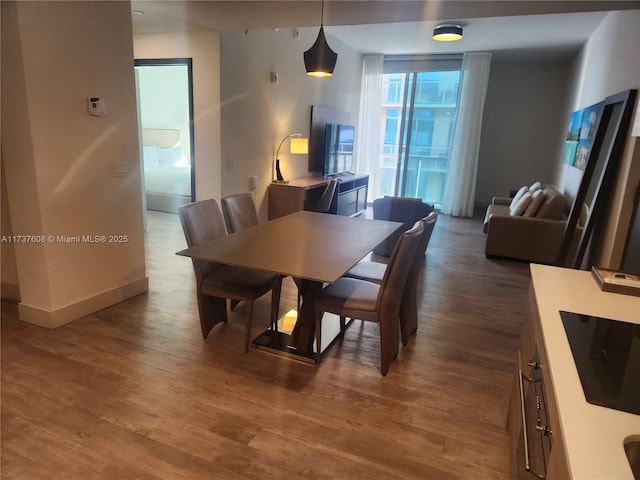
[612, 123]
[588, 128]
[573, 135]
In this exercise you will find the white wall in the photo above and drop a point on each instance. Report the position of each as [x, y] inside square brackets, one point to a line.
[204, 49]
[525, 118]
[257, 114]
[610, 63]
[60, 162]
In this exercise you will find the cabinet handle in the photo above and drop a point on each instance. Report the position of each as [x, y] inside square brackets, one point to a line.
[527, 463]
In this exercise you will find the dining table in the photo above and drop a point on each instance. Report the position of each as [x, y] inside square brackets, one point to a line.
[312, 248]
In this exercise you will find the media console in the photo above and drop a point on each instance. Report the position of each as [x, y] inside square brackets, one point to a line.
[350, 198]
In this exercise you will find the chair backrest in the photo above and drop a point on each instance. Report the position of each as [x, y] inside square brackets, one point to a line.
[397, 272]
[201, 222]
[239, 212]
[324, 202]
[428, 222]
[398, 209]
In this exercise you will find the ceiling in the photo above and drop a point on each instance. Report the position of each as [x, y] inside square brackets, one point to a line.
[543, 28]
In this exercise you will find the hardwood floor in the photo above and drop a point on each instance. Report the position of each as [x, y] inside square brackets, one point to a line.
[134, 392]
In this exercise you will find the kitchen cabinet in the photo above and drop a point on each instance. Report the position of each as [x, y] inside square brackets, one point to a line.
[587, 440]
[532, 356]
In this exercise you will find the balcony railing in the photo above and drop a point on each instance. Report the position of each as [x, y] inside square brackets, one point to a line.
[425, 177]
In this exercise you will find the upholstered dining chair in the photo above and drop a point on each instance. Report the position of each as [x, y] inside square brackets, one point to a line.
[239, 212]
[363, 300]
[202, 222]
[374, 272]
[323, 204]
[407, 210]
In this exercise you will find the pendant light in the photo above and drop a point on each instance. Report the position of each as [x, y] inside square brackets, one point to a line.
[320, 60]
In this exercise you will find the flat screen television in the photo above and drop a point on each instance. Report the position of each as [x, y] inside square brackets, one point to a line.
[338, 148]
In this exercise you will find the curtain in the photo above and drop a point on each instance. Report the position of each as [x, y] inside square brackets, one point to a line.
[460, 188]
[368, 132]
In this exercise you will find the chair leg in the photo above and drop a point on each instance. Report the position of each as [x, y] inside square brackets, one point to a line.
[212, 310]
[343, 324]
[389, 333]
[408, 316]
[318, 315]
[247, 328]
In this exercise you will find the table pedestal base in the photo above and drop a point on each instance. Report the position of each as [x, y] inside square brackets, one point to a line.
[280, 342]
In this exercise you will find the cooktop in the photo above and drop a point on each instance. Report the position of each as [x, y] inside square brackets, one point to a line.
[607, 356]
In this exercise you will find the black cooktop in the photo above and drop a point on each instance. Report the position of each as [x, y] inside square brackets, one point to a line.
[607, 356]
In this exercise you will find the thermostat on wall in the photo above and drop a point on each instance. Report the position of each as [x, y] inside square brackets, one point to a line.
[95, 106]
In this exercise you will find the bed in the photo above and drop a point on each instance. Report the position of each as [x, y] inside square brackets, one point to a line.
[167, 170]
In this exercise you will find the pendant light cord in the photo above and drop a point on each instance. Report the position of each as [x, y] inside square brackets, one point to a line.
[322, 14]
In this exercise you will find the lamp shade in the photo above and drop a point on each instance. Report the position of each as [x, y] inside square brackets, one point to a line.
[447, 33]
[320, 60]
[299, 145]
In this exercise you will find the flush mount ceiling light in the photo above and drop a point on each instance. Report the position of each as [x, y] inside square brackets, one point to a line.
[320, 60]
[447, 33]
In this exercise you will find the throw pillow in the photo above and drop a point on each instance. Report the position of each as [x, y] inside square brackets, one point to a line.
[552, 207]
[536, 200]
[535, 186]
[522, 204]
[516, 198]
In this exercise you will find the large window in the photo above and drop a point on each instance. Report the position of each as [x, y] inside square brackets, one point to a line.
[418, 114]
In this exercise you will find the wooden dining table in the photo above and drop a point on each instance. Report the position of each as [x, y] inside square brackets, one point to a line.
[313, 248]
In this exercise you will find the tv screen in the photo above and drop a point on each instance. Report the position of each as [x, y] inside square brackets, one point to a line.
[338, 148]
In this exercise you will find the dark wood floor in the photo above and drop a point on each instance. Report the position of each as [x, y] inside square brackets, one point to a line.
[134, 392]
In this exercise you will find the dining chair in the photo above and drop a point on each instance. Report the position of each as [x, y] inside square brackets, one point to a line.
[239, 212]
[363, 300]
[407, 210]
[323, 204]
[374, 272]
[202, 222]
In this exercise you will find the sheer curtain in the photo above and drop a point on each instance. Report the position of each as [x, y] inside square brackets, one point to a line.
[368, 132]
[460, 188]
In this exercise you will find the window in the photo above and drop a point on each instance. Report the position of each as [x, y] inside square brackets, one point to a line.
[418, 114]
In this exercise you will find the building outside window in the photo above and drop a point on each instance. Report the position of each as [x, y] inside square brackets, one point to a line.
[418, 114]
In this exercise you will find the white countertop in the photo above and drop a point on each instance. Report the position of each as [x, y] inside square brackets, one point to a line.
[594, 436]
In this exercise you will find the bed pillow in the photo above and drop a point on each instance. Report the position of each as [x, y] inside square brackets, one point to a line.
[150, 156]
[522, 204]
[516, 198]
[535, 186]
[536, 200]
[168, 157]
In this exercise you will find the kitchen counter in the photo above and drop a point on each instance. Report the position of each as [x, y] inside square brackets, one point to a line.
[593, 436]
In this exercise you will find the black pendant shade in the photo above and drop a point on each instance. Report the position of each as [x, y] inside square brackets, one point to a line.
[320, 60]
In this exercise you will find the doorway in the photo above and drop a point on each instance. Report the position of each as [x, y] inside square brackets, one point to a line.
[165, 111]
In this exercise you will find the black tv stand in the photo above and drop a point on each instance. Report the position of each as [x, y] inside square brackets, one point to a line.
[351, 194]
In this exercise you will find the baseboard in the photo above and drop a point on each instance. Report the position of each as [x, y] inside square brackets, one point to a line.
[69, 313]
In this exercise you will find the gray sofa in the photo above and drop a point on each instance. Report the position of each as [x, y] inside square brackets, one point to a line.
[533, 238]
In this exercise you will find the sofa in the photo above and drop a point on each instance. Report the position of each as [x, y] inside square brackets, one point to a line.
[529, 226]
